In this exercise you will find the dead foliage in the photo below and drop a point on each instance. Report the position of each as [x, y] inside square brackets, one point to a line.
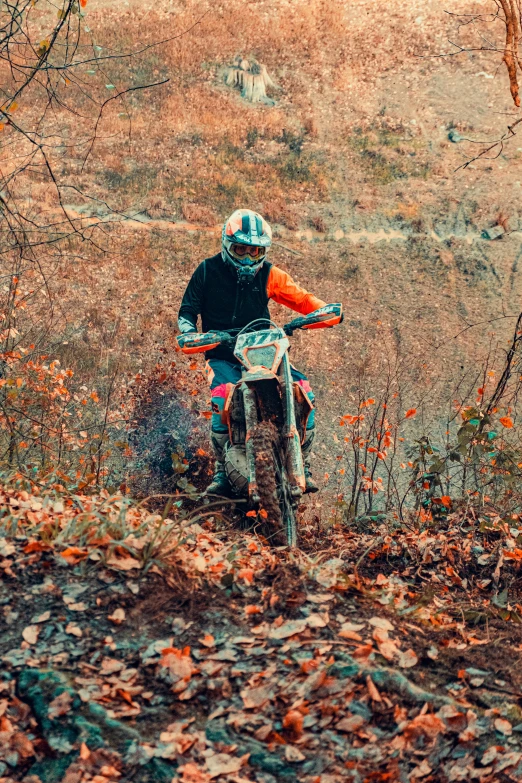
[301, 664]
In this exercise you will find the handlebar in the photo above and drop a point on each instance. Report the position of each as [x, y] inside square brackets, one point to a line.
[196, 342]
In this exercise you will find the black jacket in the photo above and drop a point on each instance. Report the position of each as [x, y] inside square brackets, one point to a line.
[215, 293]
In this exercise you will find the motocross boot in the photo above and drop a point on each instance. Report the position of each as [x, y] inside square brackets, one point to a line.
[220, 484]
[306, 449]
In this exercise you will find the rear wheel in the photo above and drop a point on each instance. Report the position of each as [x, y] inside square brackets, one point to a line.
[272, 484]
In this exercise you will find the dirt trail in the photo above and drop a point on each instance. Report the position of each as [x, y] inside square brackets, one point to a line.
[141, 220]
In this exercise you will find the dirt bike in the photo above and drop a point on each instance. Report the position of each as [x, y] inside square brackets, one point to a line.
[266, 413]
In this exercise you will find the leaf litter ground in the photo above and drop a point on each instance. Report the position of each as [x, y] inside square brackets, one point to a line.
[381, 656]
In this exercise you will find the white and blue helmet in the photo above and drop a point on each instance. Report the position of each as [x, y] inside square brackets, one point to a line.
[246, 239]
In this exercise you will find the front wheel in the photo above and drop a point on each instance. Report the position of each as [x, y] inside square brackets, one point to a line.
[272, 484]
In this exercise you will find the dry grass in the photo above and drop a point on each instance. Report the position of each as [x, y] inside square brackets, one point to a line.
[195, 213]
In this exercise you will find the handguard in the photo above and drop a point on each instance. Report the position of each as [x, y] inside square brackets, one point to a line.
[197, 342]
[323, 318]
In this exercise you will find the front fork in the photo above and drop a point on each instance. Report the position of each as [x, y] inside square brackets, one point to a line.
[250, 406]
[294, 456]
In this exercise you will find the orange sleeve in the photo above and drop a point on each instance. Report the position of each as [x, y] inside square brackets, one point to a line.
[282, 289]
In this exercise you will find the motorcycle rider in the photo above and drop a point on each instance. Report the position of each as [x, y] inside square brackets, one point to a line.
[228, 291]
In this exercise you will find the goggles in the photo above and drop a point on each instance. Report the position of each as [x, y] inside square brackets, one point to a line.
[247, 254]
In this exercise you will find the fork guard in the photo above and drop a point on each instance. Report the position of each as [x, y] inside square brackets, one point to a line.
[294, 457]
[250, 406]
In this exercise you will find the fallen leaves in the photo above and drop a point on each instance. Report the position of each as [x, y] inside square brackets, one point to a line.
[123, 563]
[287, 629]
[315, 670]
[293, 722]
[503, 726]
[381, 622]
[208, 640]
[31, 633]
[118, 616]
[350, 724]
[256, 698]
[223, 764]
[293, 755]
[179, 666]
[41, 618]
[408, 659]
[73, 630]
[428, 726]
[74, 554]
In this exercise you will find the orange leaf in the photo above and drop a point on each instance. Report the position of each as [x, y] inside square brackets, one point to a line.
[309, 666]
[36, 546]
[506, 421]
[201, 453]
[253, 609]
[83, 3]
[263, 513]
[125, 695]
[251, 514]
[372, 450]
[514, 554]
[446, 501]
[84, 752]
[372, 689]
[293, 721]
[74, 554]
[411, 412]
[206, 414]
[208, 640]
[247, 574]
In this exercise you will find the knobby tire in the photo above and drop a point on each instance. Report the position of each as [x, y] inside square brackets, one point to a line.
[272, 484]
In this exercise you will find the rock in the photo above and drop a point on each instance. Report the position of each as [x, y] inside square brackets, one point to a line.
[495, 232]
[87, 723]
[454, 136]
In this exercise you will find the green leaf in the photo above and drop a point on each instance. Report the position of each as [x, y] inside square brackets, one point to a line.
[501, 599]
[109, 86]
